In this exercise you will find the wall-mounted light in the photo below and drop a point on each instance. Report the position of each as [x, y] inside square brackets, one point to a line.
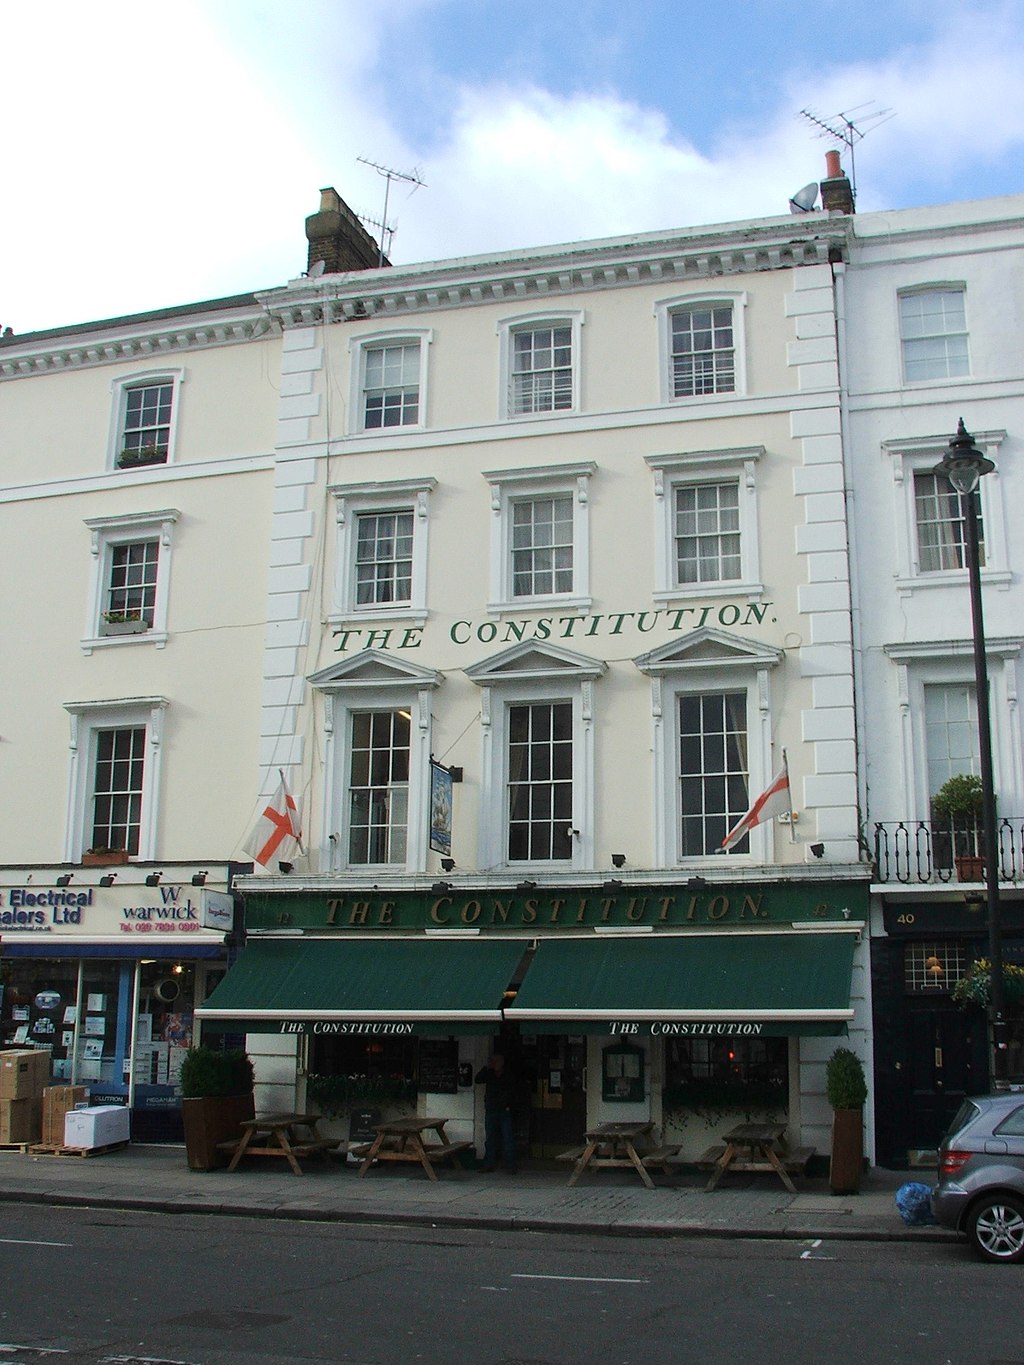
[153, 878]
[108, 879]
[611, 887]
[618, 860]
[818, 850]
[177, 969]
[65, 879]
[441, 888]
[448, 864]
[525, 885]
[696, 884]
[285, 867]
[199, 878]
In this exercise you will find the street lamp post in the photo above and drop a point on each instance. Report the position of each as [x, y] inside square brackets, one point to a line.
[963, 465]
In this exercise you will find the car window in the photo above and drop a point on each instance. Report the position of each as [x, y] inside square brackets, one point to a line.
[1013, 1124]
[966, 1114]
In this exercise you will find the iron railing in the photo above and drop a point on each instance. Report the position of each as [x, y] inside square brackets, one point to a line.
[913, 851]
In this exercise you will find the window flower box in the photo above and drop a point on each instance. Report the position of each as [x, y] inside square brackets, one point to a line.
[134, 459]
[104, 857]
[124, 623]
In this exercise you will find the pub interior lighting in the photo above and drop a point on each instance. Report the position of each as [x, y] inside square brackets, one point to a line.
[440, 888]
[65, 879]
[153, 878]
[618, 860]
[199, 878]
[108, 879]
[447, 864]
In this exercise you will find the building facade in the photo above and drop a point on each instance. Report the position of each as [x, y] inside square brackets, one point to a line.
[930, 306]
[558, 576]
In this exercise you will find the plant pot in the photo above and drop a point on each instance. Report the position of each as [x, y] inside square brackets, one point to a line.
[847, 1164]
[107, 857]
[209, 1120]
[970, 868]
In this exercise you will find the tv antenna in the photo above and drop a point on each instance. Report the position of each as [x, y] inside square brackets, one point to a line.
[842, 127]
[411, 177]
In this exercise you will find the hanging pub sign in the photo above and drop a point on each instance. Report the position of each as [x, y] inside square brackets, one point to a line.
[440, 808]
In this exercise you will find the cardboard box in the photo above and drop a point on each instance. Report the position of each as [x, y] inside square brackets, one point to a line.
[20, 1120]
[24, 1074]
[57, 1100]
[96, 1126]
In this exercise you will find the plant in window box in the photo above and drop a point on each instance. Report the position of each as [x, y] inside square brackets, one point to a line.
[957, 809]
[150, 454]
[334, 1095]
[131, 622]
[217, 1098]
[104, 857]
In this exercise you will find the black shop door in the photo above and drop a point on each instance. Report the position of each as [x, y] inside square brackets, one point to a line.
[945, 1060]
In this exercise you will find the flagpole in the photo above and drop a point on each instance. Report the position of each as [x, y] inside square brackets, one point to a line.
[789, 788]
[288, 792]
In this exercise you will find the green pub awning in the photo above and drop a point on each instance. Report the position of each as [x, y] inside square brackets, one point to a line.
[363, 986]
[690, 984]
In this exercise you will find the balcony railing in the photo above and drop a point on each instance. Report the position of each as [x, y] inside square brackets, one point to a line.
[914, 851]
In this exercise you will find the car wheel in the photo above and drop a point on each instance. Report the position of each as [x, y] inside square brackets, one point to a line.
[996, 1228]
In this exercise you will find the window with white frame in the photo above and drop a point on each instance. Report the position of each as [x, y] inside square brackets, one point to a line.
[941, 523]
[131, 557]
[115, 751]
[712, 742]
[382, 548]
[705, 529]
[951, 732]
[377, 713]
[389, 381]
[930, 542]
[378, 787]
[539, 364]
[145, 419]
[702, 346]
[933, 334]
[540, 537]
[537, 799]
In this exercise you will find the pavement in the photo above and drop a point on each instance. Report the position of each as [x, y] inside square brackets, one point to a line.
[536, 1198]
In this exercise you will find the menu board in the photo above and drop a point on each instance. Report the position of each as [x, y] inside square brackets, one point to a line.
[439, 1066]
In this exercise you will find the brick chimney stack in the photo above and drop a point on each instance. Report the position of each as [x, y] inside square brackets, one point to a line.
[836, 191]
[338, 238]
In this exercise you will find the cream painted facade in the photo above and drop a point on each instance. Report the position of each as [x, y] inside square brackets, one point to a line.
[621, 641]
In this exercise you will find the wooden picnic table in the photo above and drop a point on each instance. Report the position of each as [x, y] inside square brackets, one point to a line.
[616, 1144]
[282, 1135]
[756, 1147]
[402, 1140]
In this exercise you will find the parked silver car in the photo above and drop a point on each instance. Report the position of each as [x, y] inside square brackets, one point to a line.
[981, 1176]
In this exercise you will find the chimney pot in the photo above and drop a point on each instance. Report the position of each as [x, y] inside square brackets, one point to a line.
[832, 167]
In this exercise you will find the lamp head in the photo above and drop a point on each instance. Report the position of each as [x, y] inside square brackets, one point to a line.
[963, 463]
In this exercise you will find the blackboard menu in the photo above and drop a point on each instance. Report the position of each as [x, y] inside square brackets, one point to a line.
[439, 1066]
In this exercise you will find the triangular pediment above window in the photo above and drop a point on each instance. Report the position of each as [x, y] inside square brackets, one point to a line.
[373, 668]
[708, 647]
[533, 660]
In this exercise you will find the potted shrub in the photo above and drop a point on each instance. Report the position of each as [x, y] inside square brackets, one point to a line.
[957, 807]
[847, 1091]
[216, 1088]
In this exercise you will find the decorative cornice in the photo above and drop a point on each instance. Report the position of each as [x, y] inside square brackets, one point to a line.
[81, 348]
[532, 279]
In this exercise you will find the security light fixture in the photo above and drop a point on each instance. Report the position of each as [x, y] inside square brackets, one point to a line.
[153, 878]
[618, 860]
[441, 888]
[199, 878]
[108, 879]
[696, 884]
[525, 886]
[611, 887]
[64, 879]
[818, 850]
[285, 867]
[448, 864]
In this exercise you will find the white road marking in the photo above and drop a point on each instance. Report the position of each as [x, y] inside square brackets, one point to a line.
[809, 1254]
[581, 1279]
[25, 1242]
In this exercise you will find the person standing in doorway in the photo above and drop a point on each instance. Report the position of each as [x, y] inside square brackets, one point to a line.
[499, 1105]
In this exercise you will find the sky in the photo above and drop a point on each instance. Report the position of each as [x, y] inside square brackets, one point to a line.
[164, 153]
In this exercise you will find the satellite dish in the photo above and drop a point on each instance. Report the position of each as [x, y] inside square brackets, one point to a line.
[805, 200]
[318, 268]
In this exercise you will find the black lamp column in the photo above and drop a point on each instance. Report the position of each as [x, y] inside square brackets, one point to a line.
[964, 464]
